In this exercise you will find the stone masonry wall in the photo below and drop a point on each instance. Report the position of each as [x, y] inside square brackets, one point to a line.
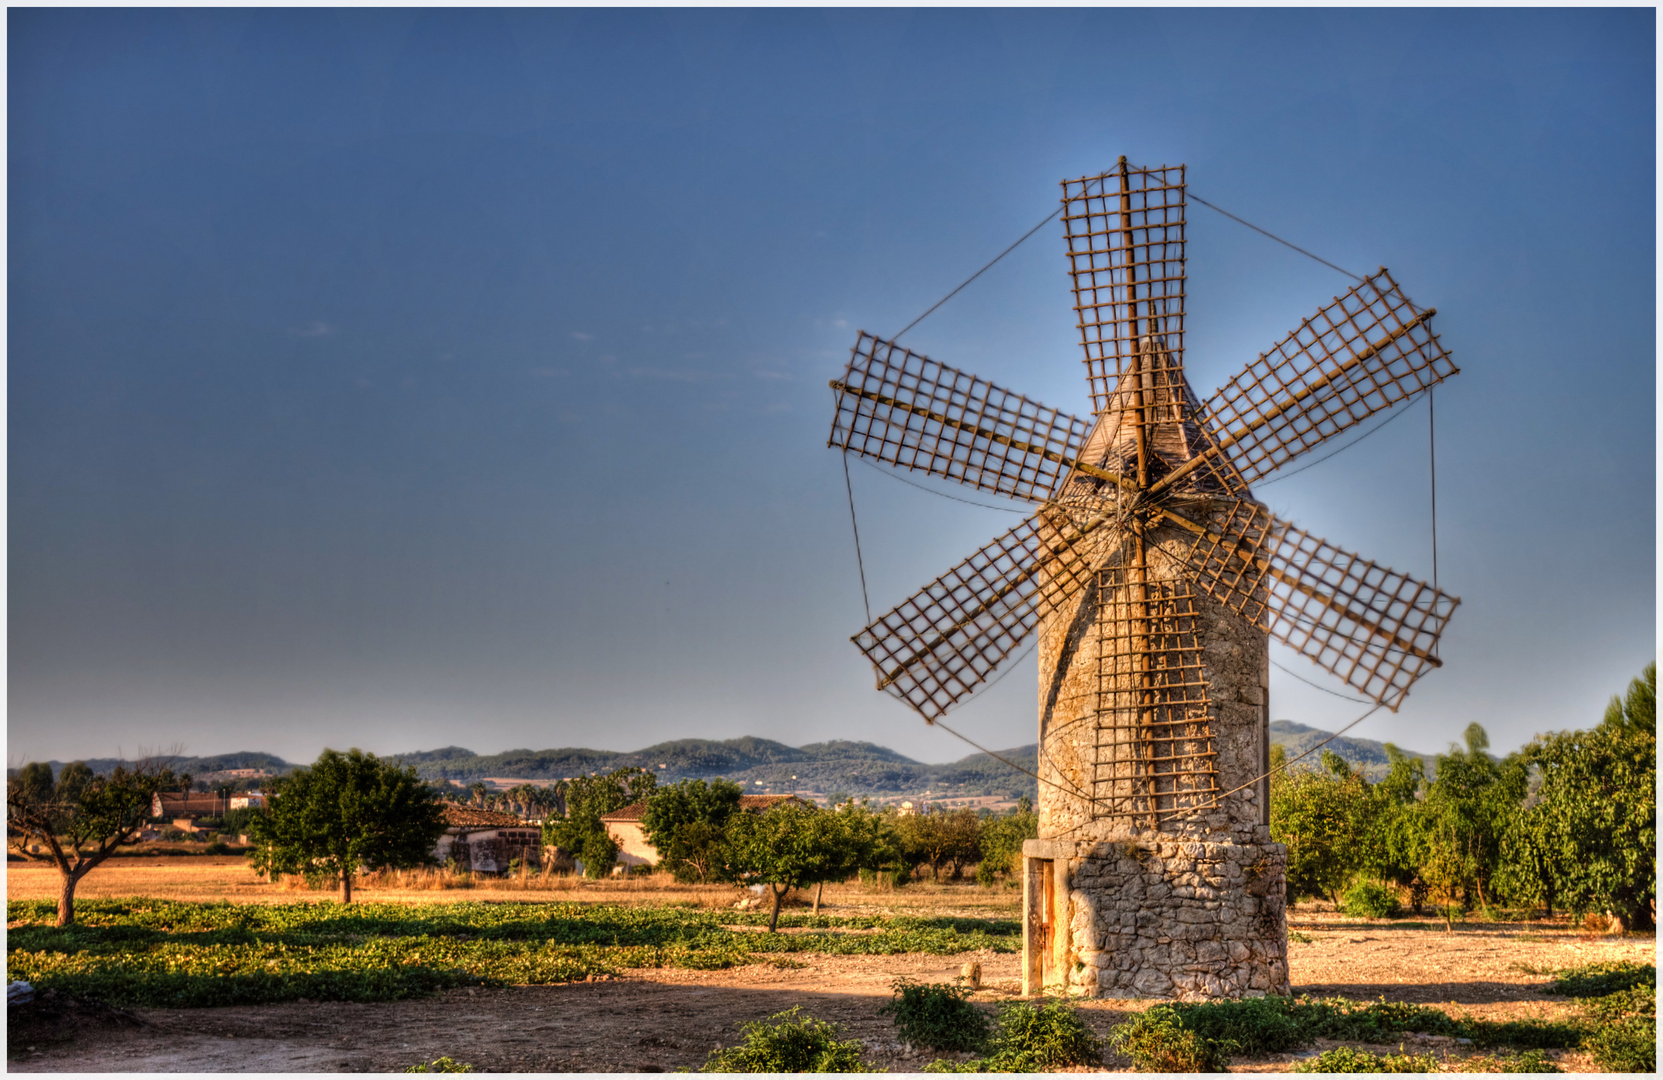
[1173, 919]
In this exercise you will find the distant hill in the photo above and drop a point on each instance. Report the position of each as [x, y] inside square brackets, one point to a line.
[829, 768]
[1366, 754]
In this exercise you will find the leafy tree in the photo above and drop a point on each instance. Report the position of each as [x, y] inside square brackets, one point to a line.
[686, 823]
[588, 798]
[1469, 808]
[794, 845]
[1636, 711]
[1589, 830]
[1002, 839]
[943, 839]
[1317, 814]
[81, 819]
[346, 811]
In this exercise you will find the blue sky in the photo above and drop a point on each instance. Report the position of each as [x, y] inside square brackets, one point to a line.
[410, 378]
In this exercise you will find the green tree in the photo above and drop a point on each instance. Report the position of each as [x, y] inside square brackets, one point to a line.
[81, 819]
[686, 823]
[346, 811]
[1469, 807]
[794, 845]
[1589, 830]
[581, 832]
[1002, 839]
[1318, 814]
[1636, 711]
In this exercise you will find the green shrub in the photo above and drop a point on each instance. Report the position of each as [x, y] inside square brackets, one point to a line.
[218, 847]
[788, 1043]
[1598, 980]
[937, 1016]
[1345, 1059]
[1037, 1038]
[1157, 1040]
[440, 1065]
[1250, 1026]
[1369, 900]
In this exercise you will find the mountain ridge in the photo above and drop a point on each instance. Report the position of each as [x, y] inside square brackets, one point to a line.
[835, 767]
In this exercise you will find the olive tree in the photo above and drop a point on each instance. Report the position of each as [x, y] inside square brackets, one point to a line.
[79, 819]
[346, 811]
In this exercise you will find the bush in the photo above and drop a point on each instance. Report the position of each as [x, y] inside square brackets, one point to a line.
[788, 1043]
[1345, 1059]
[937, 1016]
[1369, 900]
[1034, 1038]
[1158, 1041]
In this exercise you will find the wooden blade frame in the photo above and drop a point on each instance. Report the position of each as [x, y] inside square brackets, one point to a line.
[896, 406]
[1125, 233]
[938, 646]
[1374, 628]
[1367, 351]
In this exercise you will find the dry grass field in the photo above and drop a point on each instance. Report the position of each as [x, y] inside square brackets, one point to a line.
[671, 1018]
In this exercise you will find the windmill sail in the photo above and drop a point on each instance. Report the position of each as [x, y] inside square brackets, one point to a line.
[936, 647]
[901, 408]
[1367, 351]
[1125, 233]
[1373, 627]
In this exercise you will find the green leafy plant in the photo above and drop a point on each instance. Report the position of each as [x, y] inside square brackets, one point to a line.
[938, 1016]
[1624, 1035]
[1526, 1061]
[441, 1065]
[1369, 900]
[171, 954]
[1346, 1059]
[1030, 1037]
[1157, 1040]
[789, 1042]
[1597, 980]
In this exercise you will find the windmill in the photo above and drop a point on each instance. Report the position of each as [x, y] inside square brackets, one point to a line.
[1153, 580]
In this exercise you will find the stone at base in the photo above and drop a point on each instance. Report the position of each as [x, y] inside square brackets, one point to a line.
[1171, 918]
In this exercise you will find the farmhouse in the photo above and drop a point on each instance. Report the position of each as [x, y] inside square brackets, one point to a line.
[182, 806]
[624, 826]
[485, 841]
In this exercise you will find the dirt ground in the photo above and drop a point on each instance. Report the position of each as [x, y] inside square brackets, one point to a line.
[664, 1020]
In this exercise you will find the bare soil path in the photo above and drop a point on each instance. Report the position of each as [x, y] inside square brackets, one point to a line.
[671, 1018]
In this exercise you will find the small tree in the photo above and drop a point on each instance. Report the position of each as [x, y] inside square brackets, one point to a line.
[1002, 839]
[685, 822]
[81, 819]
[793, 845]
[347, 811]
[581, 832]
[1314, 812]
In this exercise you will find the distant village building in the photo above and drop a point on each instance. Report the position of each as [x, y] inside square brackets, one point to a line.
[625, 828]
[248, 800]
[485, 841]
[183, 806]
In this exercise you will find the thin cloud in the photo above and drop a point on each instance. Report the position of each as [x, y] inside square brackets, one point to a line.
[670, 375]
[549, 372]
[312, 329]
[581, 336]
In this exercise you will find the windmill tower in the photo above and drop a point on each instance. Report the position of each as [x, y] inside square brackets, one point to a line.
[1154, 581]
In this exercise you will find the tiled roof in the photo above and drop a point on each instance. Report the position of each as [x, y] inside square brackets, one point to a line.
[636, 811]
[469, 817]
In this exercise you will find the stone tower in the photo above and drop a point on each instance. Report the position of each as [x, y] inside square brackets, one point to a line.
[1154, 873]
